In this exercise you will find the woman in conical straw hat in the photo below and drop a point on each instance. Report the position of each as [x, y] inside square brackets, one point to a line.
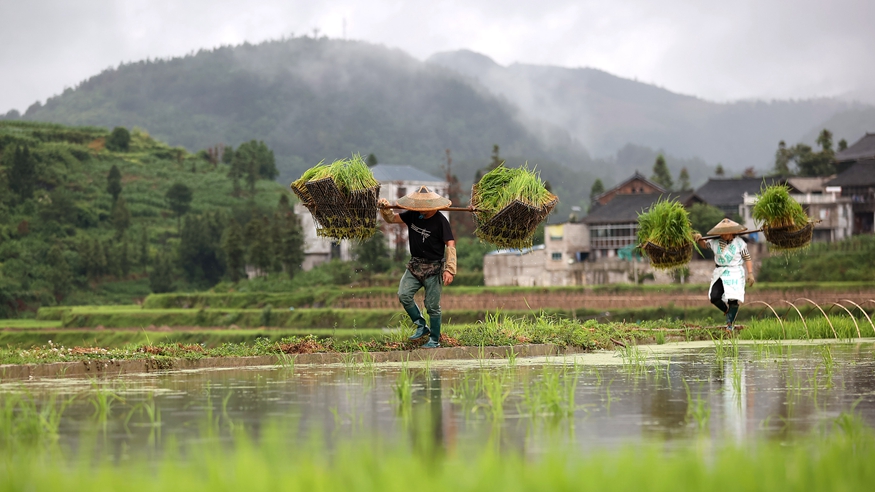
[429, 237]
[734, 267]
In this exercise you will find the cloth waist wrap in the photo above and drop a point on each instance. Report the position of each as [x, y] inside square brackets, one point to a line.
[733, 278]
[422, 268]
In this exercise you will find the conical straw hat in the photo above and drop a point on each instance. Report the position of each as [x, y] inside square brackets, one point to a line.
[726, 226]
[423, 200]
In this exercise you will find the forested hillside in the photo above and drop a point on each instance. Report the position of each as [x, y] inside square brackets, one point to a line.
[605, 112]
[308, 99]
[89, 215]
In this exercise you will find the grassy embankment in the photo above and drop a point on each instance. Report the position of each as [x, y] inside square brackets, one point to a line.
[496, 330]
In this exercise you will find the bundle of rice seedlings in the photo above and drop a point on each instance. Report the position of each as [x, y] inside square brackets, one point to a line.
[785, 223]
[342, 197]
[510, 203]
[318, 171]
[665, 234]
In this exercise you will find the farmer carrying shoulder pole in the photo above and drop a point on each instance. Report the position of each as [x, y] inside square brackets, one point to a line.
[728, 279]
[428, 235]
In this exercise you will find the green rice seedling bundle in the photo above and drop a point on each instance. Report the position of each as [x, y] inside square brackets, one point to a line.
[665, 234]
[342, 197]
[509, 204]
[785, 224]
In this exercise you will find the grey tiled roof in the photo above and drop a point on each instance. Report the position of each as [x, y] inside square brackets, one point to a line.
[624, 208]
[388, 172]
[730, 191]
[862, 149]
[862, 173]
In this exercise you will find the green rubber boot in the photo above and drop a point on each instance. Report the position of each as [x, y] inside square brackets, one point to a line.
[419, 321]
[434, 338]
[730, 316]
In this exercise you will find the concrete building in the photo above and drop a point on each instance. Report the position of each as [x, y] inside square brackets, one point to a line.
[559, 261]
[820, 202]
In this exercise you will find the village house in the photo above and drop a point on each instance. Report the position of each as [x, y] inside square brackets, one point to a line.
[559, 261]
[856, 182]
[820, 202]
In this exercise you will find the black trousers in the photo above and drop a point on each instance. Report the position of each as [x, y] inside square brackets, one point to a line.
[717, 297]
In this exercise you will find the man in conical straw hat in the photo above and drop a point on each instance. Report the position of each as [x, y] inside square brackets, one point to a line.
[732, 258]
[429, 237]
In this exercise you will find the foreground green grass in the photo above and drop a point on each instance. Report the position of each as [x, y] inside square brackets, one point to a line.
[838, 460]
[495, 330]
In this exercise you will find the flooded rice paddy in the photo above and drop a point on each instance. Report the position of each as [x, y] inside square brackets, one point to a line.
[672, 394]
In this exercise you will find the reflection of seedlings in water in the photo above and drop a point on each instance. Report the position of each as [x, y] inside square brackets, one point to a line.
[598, 375]
[23, 421]
[698, 409]
[662, 370]
[153, 416]
[608, 397]
[736, 379]
[493, 384]
[403, 388]
[466, 391]
[852, 425]
[828, 362]
[352, 418]
[552, 394]
[102, 398]
[634, 361]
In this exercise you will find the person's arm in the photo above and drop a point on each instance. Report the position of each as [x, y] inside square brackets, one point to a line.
[450, 270]
[388, 215]
[748, 265]
[701, 242]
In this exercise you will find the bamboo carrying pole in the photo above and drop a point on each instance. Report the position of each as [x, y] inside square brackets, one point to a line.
[449, 209]
[813, 222]
[734, 234]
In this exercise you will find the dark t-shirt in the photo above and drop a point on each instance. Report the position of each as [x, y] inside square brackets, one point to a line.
[427, 237]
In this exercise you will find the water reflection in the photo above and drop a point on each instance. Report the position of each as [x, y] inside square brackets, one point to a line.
[776, 393]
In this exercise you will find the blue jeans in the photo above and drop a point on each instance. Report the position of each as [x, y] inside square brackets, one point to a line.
[409, 286]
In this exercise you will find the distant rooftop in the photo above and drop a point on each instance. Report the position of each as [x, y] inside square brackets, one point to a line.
[389, 172]
[862, 149]
[862, 173]
[730, 191]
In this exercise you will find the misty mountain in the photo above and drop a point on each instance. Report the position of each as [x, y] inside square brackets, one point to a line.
[310, 100]
[605, 112]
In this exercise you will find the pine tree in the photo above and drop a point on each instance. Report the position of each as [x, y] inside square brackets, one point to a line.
[718, 171]
[684, 180]
[292, 252]
[782, 159]
[144, 249]
[59, 274]
[120, 217]
[161, 277]
[113, 263]
[597, 189]
[661, 174]
[125, 257]
[260, 245]
[114, 182]
[179, 200]
[235, 251]
[22, 176]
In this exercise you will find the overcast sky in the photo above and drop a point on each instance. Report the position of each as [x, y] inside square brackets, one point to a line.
[722, 51]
